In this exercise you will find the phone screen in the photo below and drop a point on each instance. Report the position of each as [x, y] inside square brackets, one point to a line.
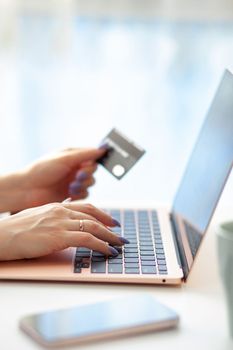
[104, 317]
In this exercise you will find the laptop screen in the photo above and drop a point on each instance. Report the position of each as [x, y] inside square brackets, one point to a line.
[207, 170]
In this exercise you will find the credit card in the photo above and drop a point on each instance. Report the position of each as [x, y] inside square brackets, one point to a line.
[122, 154]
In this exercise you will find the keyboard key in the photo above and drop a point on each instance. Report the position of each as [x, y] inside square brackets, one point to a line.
[78, 259]
[159, 246]
[83, 250]
[156, 225]
[144, 231]
[131, 265]
[98, 267]
[115, 268]
[131, 255]
[78, 265]
[130, 234]
[148, 263]
[156, 231]
[82, 254]
[149, 270]
[98, 258]
[160, 256]
[77, 270]
[85, 265]
[148, 258]
[162, 268]
[133, 241]
[94, 253]
[131, 260]
[145, 239]
[130, 250]
[132, 245]
[146, 253]
[141, 236]
[158, 241]
[132, 270]
[161, 262]
[145, 228]
[146, 247]
[159, 251]
[119, 256]
[146, 244]
[115, 261]
[131, 238]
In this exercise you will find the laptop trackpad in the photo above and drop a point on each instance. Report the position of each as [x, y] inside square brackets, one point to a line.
[49, 266]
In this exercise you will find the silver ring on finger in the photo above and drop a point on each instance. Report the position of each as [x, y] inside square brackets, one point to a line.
[81, 225]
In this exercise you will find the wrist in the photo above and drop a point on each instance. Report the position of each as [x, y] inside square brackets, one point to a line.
[12, 192]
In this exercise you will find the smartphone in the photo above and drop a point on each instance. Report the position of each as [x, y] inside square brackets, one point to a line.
[103, 320]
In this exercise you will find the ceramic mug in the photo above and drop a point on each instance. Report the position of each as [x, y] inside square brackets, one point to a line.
[225, 257]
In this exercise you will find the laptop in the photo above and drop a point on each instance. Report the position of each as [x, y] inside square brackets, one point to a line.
[163, 245]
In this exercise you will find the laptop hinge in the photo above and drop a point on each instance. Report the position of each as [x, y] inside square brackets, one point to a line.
[180, 253]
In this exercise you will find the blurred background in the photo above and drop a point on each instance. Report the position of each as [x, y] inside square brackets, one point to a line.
[70, 70]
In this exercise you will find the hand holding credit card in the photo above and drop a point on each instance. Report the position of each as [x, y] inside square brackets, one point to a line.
[122, 154]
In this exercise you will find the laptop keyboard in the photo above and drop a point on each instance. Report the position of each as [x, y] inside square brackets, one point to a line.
[143, 255]
[194, 238]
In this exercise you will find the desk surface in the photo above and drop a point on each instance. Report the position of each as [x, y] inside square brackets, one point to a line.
[200, 304]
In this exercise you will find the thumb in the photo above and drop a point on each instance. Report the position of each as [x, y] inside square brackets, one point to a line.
[77, 156]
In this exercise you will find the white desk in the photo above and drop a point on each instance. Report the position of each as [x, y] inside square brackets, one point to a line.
[200, 304]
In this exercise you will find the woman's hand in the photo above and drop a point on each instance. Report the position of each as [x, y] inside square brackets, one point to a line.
[43, 230]
[66, 174]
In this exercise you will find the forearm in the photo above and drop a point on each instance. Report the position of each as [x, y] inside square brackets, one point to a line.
[12, 193]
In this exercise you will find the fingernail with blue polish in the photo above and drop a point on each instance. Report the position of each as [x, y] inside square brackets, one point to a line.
[119, 249]
[116, 223]
[124, 240]
[76, 184]
[82, 175]
[73, 192]
[74, 187]
[104, 146]
[113, 251]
